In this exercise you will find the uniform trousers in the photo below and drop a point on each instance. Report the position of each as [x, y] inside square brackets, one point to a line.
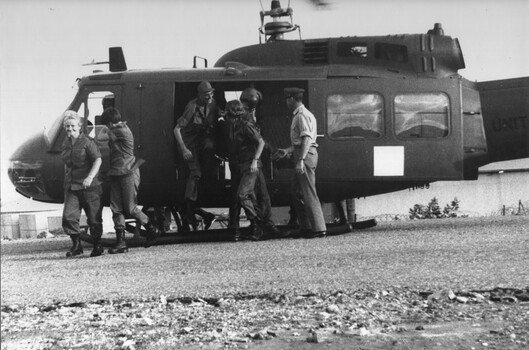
[235, 204]
[88, 200]
[202, 158]
[123, 199]
[306, 201]
[250, 183]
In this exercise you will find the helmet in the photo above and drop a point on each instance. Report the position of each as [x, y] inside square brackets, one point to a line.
[251, 97]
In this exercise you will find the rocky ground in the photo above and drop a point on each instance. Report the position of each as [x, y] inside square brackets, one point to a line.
[455, 284]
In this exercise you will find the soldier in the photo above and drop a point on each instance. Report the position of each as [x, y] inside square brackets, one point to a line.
[194, 132]
[245, 148]
[250, 98]
[82, 186]
[124, 176]
[304, 150]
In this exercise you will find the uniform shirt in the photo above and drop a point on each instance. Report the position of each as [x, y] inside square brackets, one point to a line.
[121, 144]
[78, 159]
[243, 140]
[303, 124]
[194, 124]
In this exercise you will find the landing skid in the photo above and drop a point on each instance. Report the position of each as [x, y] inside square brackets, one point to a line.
[218, 235]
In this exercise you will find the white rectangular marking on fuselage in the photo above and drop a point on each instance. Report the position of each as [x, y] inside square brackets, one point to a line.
[388, 161]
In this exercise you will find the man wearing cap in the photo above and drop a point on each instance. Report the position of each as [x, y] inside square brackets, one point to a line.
[194, 134]
[304, 151]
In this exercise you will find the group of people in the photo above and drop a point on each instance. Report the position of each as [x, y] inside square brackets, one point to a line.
[196, 132]
[82, 185]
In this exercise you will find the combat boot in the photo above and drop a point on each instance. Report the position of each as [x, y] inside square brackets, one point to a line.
[256, 232]
[121, 244]
[190, 213]
[77, 248]
[235, 233]
[275, 232]
[209, 218]
[97, 250]
[152, 235]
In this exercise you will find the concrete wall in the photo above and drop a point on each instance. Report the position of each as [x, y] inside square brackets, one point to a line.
[9, 226]
[31, 225]
[485, 196]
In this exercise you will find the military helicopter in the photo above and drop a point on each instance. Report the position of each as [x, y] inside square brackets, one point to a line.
[392, 113]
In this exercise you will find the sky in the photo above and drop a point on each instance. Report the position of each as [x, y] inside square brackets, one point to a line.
[44, 43]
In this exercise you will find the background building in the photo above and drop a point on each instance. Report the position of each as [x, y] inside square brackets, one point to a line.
[498, 185]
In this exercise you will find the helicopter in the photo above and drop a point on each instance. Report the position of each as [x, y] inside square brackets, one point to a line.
[392, 113]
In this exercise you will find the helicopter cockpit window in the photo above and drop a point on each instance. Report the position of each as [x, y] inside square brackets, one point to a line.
[352, 49]
[96, 103]
[391, 52]
[421, 115]
[355, 115]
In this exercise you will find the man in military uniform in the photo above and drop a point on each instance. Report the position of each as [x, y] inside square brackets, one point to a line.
[250, 98]
[195, 137]
[304, 151]
[245, 146]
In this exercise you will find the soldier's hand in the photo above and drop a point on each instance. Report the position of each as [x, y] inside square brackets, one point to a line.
[187, 154]
[87, 182]
[300, 166]
[253, 167]
[279, 154]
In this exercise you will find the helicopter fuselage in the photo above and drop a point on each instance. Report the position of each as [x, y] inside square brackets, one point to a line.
[392, 113]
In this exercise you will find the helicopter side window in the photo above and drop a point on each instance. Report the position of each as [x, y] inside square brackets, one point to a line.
[355, 115]
[421, 115]
[96, 103]
[352, 49]
[391, 52]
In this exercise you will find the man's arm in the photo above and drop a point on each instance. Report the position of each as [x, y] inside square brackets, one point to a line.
[93, 172]
[281, 153]
[260, 147]
[178, 135]
[305, 145]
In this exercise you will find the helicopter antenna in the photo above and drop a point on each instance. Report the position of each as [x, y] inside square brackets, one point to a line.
[273, 31]
[116, 60]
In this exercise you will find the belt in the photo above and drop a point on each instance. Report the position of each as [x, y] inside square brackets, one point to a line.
[311, 146]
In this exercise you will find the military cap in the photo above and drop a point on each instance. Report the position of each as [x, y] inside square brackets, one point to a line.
[204, 87]
[293, 91]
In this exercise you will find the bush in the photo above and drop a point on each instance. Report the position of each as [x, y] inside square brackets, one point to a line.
[433, 211]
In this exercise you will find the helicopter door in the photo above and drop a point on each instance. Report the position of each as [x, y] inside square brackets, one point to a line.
[150, 115]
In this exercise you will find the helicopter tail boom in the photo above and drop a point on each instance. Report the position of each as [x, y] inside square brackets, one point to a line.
[505, 109]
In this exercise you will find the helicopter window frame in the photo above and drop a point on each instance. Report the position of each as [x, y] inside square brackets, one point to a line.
[424, 112]
[363, 112]
[94, 102]
[79, 106]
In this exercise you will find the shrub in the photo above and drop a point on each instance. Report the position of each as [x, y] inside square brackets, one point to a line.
[433, 211]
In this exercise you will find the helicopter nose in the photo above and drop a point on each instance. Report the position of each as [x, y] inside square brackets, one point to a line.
[34, 172]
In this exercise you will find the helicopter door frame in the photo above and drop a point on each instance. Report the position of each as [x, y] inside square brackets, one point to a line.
[80, 105]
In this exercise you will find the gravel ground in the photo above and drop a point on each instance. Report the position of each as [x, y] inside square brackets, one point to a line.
[372, 287]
